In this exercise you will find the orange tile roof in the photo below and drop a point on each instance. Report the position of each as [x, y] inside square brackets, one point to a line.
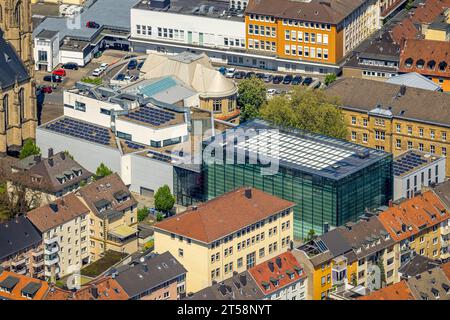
[430, 51]
[106, 288]
[404, 30]
[410, 216]
[397, 291]
[446, 268]
[429, 11]
[224, 215]
[16, 293]
[263, 274]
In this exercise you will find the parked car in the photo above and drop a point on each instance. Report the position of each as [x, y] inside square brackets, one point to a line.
[249, 75]
[260, 75]
[97, 72]
[59, 72]
[132, 64]
[316, 84]
[120, 77]
[277, 79]
[268, 78]
[70, 65]
[296, 80]
[92, 24]
[288, 79]
[104, 66]
[230, 72]
[222, 70]
[52, 78]
[271, 91]
[239, 74]
[139, 66]
[307, 81]
[129, 78]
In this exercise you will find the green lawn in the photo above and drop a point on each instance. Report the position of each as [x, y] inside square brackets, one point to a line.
[98, 267]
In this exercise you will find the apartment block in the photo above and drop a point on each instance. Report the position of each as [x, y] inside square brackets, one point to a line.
[394, 118]
[63, 225]
[231, 233]
[21, 250]
[112, 216]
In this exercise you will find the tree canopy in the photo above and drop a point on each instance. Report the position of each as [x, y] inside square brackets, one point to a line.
[330, 78]
[102, 171]
[164, 200]
[29, 148]
[251, 96]
[309, 110]
[142, 213]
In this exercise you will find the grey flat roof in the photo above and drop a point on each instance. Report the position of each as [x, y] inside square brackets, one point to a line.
[107, 13]
[47, 34]
[196, 8]
[304, 151]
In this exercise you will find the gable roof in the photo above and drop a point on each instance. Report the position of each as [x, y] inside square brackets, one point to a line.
[12, 68]
[412, 215]
[430, 285]
[417, 265]
[442, 190]
[16, 235]
[223, 215]
[20, 285]
[67, 208]
[148, 272]
[397, 291]
[107, 191]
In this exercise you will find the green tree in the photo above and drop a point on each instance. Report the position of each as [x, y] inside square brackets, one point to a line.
[29, 148]
[95, 81]
[159, 217]
[102, 171]
[164, 200]
[142, 214]
[309, 110]
[251, 96]
[311, 234]
[330, 78]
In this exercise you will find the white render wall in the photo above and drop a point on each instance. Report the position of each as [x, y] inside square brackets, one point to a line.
[52, 49]
[400, 183]
[214, 30]
[295, 291]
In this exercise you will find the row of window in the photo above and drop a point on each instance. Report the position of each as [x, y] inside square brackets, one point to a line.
[311, 52]
[318, 38]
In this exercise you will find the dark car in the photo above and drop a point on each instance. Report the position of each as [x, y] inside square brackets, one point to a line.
[296, 80]
[277, 79]
[268, 78]
[260, 75]
[92, 24]
[239, 75]
[249, 75]
[120, 77]
[139, 67]
[288, 79]
[132, 64]
[52, 78]
[307, 81]
[70, 65]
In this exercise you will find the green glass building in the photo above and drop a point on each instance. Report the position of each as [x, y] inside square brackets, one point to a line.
[331, 181]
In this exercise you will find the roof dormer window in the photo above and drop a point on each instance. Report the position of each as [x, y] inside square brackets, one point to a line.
[442, 65]
[409, 62]
[420, 63]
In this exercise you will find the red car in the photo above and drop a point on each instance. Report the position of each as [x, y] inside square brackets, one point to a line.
[59, 72]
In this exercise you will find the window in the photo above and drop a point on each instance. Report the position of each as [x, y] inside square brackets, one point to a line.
[421, 146]
[353, 136]
[80, 106]
[365, 122]
[409, 130]
[432, 149]
[410, 145]
[217, 105]
[399, 127]
[365, 137]
[421, 132]
[432, 134]
[180, 253]
[399, 144]
[239, 262]
[325, 54]
[444, 136]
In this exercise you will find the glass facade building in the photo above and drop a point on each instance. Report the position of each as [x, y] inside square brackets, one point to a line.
[331, 181]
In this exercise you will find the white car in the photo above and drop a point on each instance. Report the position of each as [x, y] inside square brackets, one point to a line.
[129, 78]
[104, 66]
[271, 91]
[230, 72]
[97, 72]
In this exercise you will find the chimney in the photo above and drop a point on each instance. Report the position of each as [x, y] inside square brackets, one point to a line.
[50, 153]
[63, 155]
[50, 162]
[37, 158]
[194, 208]
[271, 266]
[390, 203]
[248, 193]
[94, 292]
[278, 261]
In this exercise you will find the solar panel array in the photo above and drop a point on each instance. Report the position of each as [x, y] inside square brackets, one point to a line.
[155, 117]
[159, 156]
[407, 162]
[305, 152]
[81, 130]
[133, 145]
[158, 86]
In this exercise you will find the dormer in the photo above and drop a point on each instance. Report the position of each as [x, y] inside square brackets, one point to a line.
[103, 205]
[61, 179]
[409, 62]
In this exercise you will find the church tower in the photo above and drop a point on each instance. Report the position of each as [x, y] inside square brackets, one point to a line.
[18, 110]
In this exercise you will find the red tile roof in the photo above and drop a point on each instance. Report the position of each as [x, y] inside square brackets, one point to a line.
[446, 268]
[23, 281]
[404, 30]
[434, 55]
[410, 216]
[429, 11]
[268, 273]
[223, 215]
[397, 291]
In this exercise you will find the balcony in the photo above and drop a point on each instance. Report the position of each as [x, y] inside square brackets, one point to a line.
[38, 263]
[18, 261]
[37, 252]
[49, 273]
[51, 240]
[49, 250]
[21, 271]
[51, 260]
[445, 230]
